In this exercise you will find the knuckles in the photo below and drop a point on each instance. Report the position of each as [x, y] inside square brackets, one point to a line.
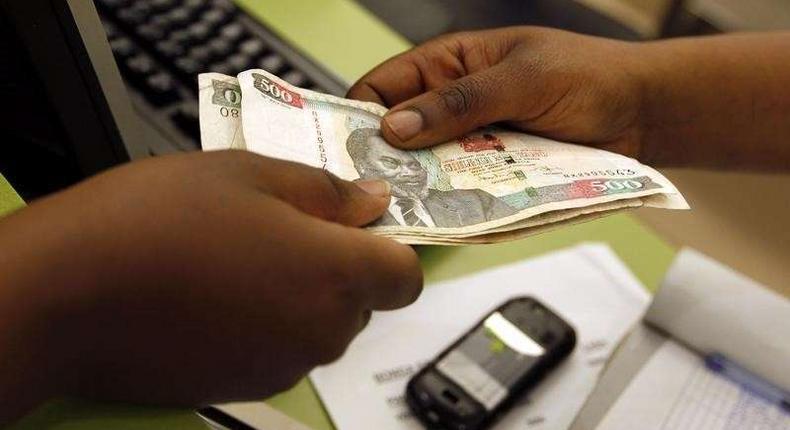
[463, 97]
[334, 194]
[327, 197]
[458, 98]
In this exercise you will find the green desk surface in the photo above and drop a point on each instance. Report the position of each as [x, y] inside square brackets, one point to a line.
[344, 37]
[350, 41]
[9, 199]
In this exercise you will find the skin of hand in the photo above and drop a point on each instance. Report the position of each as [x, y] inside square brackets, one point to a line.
[191, 279]
[720, 101]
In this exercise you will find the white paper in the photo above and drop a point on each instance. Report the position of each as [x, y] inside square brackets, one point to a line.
[586, 285]
[712, 308]
[676, 391]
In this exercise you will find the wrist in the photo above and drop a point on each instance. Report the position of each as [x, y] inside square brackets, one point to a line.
[661, 107]
[644, 83]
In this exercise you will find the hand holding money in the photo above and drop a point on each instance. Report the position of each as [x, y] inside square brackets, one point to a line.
[487, 186]
[557, 84]
[101, 300]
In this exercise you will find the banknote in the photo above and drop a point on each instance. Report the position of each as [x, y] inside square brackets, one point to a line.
[487, 186]
[219, 97]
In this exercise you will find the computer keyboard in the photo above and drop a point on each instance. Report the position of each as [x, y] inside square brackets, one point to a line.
[162, 45]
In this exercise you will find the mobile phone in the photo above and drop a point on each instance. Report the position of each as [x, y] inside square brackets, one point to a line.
[479, 376]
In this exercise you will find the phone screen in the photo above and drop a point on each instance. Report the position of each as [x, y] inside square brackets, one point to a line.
[496, 354]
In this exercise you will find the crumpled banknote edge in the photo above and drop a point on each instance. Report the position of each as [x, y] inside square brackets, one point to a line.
[507, 236]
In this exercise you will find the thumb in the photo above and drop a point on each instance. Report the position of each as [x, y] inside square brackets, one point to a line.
[460, 106]
[362, 202]
[324, 195]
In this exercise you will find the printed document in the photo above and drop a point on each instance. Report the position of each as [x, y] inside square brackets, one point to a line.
[708, 308]
[675, 390]
[588, 286]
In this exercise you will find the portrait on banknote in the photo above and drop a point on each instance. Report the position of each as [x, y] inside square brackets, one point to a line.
[414, 203]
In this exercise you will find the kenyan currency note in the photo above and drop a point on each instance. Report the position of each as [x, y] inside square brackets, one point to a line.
[483, 185]
[219, 97]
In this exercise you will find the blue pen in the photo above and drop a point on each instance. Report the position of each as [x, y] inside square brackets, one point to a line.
[748, 381]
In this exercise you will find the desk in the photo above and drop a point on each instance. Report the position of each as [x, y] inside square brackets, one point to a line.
[9, 199]
[350, 41]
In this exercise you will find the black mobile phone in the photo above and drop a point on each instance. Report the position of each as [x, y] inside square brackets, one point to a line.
[480, 375]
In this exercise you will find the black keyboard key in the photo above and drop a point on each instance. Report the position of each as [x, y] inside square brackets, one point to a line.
[143, 6]
[113, 5]
[163, 5]
[188, 66]
[272, 63]
[170, 49]
[150, 33]
[295, 77]
[224, 5]
[186, 119]
[232, 32]
[182, 36]
[216, 17]
[123, 48]
[138, 69]
[196, 6]
[239, 63]
[180, 17]
[140, 65]
[160, 89]
[162, 21]
[199, 31]
[223, 68]
[133, 16]
[252, 47]
[202, 54]
[222, 48]
[110, 30]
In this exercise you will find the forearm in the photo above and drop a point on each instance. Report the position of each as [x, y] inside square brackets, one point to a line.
[33, 339]
[23, 377]
[721, 101]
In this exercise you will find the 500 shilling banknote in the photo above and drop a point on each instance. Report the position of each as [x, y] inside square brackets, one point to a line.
[487, 186]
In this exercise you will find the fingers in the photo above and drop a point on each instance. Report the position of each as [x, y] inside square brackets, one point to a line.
[434, 64]
[462, 105]
[392, 82]
[390, 274]
[372, 272]
[322, 194]
[446, 87]
[410, 74]
[382, 273]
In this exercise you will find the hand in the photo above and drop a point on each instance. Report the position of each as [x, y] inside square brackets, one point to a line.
[548, 82]
[192, 279]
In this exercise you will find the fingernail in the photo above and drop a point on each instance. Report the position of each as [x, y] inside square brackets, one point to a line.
[405, 123]
[375, 187]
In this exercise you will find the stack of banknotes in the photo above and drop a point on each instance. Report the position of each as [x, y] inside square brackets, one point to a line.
[491, 185]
